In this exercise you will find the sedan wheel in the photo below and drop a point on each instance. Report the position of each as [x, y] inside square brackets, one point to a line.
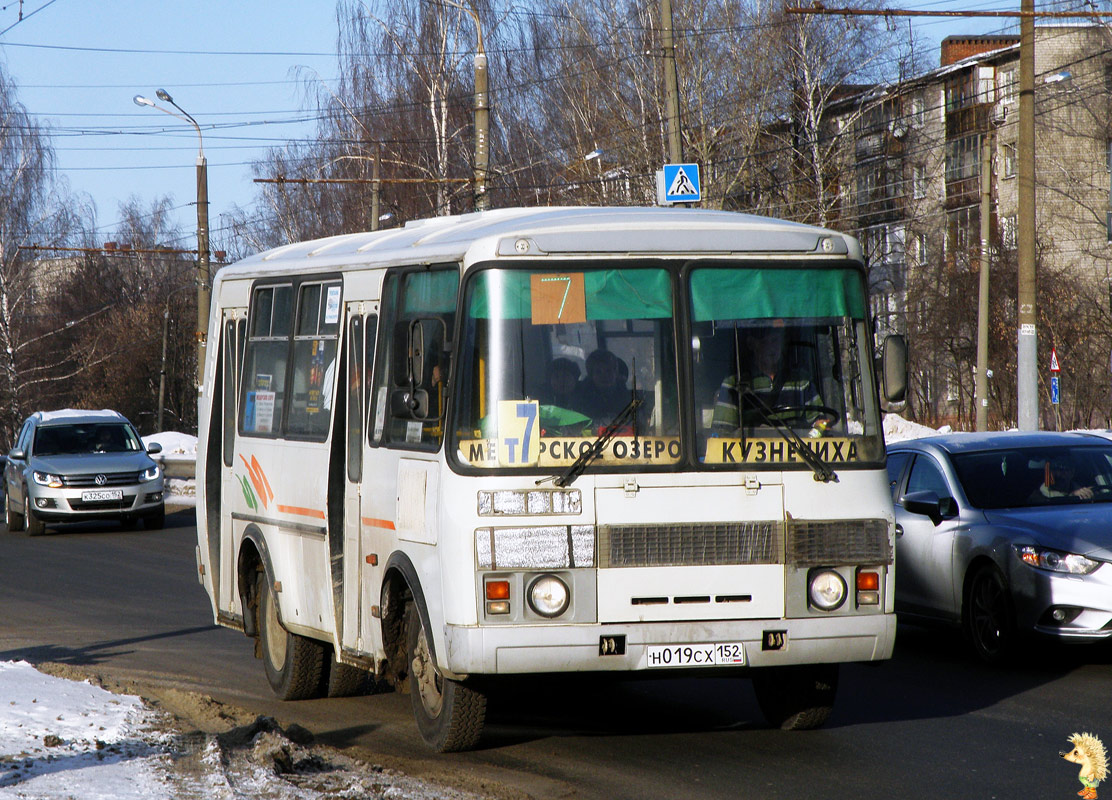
[987, 615]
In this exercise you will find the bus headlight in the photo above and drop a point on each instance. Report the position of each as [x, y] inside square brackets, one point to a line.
[548, 596]
[827, 589]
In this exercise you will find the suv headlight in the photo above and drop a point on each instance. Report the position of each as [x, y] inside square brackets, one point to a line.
[46, 479]
[149, 474]
[1055, 560]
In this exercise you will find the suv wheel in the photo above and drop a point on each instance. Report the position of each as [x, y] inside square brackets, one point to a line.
[14, 520]
[35, 525]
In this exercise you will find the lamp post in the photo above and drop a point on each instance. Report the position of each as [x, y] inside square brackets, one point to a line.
[202, 228]
[482, 112]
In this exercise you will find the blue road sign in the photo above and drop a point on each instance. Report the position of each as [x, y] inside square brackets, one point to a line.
[1054, 389]
[681, 183]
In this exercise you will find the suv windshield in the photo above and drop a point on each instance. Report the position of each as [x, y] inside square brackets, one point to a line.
[1042, 476]
[54, 440]
[548, 360]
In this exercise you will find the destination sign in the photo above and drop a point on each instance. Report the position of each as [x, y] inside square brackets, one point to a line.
[563, 450]
[779, 451]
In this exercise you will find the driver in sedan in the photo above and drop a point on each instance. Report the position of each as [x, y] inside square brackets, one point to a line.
[776, 385]
[1060, 481]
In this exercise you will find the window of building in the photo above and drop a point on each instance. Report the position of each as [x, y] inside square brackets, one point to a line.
[963, 158]
[919, 178]
[1008, 157]
[1006, 85]
[1008, 228]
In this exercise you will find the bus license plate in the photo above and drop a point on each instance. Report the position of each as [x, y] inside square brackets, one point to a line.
[102, 494]
[695, 655]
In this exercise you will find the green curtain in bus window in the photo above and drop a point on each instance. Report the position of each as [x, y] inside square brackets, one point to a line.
[609, 293]
[430, 292]
[769, 293]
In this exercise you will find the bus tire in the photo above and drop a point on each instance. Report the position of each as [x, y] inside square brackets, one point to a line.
[14, 520]
[344, 680]
[796, 698]
[450, 715]
[294, 664]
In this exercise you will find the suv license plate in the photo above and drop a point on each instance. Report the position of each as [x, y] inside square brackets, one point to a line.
[718, 654]
[102, 494]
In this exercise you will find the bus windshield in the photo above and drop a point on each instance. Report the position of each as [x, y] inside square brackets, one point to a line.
[782, 357]
[549, 360]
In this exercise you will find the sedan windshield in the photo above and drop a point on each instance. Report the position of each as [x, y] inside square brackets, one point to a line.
[1041, 476]
[55, 440]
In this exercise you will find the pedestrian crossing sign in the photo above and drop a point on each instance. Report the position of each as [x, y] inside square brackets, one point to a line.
[680, 184]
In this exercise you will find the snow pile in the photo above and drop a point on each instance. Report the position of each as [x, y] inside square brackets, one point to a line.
[177, 449]
[60, 740]
[897, 429]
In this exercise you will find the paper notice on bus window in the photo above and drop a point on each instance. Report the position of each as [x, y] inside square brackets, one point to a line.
[380, 412]
[332, 306]
[518, 433]
[264, 412]
[558, 298]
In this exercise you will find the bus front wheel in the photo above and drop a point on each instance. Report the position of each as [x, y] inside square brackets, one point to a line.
[796, 698]
[294, 664]
[450, 715]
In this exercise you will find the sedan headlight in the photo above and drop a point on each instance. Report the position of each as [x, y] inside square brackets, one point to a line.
[46, 479]
[149, 474]
[1055, 560]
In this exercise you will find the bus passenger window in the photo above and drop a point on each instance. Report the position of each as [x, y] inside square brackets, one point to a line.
[313, 381]
[263, 393]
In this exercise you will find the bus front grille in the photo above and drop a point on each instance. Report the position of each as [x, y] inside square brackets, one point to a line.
[831, 543]
[689, 545]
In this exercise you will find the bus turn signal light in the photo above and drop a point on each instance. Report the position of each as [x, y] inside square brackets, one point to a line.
[497, 590]
[868, 588]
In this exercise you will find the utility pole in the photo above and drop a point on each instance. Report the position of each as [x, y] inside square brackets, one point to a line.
[1027, 378]
[671, 86]
[376, 188]
[981, 378]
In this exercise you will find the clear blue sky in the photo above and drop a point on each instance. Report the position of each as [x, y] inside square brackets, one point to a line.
[231, 64]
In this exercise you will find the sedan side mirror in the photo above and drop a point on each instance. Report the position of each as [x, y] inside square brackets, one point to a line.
[929, 504]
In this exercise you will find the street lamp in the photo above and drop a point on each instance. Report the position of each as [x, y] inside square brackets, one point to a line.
[202, 228]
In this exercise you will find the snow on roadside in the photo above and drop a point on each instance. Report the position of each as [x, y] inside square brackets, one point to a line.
[62, 739]
[897, 429]
[177, 447]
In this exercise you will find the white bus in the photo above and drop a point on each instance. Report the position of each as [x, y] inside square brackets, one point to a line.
[535, 441]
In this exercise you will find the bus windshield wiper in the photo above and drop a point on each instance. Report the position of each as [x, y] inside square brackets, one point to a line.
[822, 470]
[597, 446]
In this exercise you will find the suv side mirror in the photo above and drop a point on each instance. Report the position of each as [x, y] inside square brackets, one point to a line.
[17, 454]
[893, 368]
[154, 448]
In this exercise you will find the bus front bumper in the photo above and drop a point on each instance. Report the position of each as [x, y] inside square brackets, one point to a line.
[505, 650]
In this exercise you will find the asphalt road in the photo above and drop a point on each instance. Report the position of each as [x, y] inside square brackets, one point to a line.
[931, 723]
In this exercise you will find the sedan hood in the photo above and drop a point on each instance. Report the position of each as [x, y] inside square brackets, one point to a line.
[85, 463]
[1084, 528]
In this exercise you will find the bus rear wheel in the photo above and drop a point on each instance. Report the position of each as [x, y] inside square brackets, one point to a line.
[796, 698]
[294, 664]
[450, 715]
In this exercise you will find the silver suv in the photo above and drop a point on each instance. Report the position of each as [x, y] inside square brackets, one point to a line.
[69, 466]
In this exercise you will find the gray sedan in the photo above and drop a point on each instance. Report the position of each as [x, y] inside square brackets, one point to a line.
[1005, 533]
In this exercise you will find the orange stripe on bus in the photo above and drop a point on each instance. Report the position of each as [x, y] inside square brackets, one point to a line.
[304, 512]
[378, 523]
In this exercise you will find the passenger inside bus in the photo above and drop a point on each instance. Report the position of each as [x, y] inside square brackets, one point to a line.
[765, 372]
[560, 382]
[601, 395]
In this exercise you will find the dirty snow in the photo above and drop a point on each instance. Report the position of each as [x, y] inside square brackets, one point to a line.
[897, 429]
[62, 739]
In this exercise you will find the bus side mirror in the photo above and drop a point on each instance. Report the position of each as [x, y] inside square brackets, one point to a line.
[893, 368]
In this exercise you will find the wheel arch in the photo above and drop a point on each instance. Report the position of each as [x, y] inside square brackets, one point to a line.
[254, 556]
[400, 584]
